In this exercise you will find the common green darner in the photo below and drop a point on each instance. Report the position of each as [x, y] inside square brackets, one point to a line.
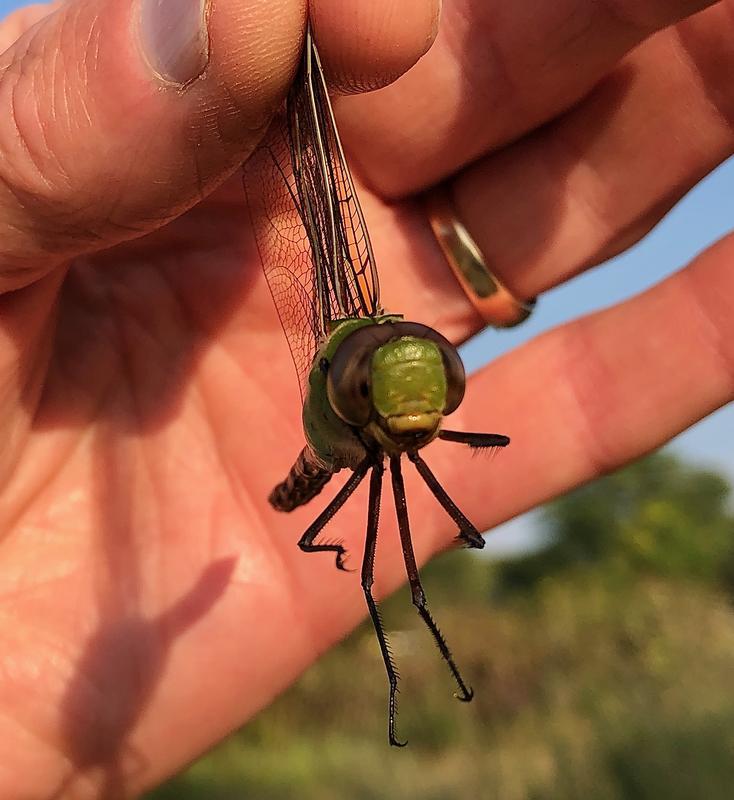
[374, 386]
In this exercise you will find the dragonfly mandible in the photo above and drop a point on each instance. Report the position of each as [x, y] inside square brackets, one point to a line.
[375, 388]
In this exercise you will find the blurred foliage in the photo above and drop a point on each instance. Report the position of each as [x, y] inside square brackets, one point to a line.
[657, 517]
[602, 668]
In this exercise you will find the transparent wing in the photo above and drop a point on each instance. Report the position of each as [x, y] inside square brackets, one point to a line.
[285, 251]
[308, 223]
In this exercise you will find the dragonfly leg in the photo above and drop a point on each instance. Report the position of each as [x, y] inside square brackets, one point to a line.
[475, 440]
[467, 532]
[305, 480]
[306, 542]
[368, 569]
[465, 693]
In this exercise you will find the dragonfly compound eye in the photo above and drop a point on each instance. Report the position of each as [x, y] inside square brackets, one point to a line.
[348, 382]
[455, 377]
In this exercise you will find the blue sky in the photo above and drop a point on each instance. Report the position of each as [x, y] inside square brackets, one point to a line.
[702, 217]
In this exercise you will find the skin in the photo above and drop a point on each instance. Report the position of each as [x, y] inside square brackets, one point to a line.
[150, 600]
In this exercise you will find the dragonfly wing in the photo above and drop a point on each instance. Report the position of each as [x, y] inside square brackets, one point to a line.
[283, 244]
[346, 275]
[308, 223]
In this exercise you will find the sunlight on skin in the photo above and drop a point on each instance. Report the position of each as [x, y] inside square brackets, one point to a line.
[150, 599]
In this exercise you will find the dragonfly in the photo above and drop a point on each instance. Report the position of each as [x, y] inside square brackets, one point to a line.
[375, 387]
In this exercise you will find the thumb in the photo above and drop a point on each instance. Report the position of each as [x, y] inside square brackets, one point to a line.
[118, 115]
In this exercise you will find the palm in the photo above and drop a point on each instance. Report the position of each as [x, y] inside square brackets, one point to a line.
[169, 410]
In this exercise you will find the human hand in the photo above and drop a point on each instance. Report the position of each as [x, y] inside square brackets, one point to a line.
[151, 599]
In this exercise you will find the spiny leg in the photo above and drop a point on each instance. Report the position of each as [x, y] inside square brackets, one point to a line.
[467, 532]
[306, 541]
[419, 597]
[475, 440]
[368, 568]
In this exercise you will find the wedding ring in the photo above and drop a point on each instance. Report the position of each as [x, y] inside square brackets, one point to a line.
[493, 301]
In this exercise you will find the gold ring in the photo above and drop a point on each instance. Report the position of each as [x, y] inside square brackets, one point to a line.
[493, 301]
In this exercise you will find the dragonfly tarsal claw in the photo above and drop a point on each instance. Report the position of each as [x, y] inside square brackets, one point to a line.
[340, 556]
[466, 695]
[471, 541]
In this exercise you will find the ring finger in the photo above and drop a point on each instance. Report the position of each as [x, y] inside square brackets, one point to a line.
[594, 181]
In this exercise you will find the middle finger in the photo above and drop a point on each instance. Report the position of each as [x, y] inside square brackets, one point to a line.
[591, 183]
[496, 71]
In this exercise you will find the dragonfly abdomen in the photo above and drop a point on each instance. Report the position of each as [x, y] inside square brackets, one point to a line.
[307, 477]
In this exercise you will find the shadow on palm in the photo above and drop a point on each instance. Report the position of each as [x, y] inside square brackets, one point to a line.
[166, 388]
[170, 379]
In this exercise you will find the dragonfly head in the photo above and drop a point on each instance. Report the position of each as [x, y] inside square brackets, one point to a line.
[396, 380]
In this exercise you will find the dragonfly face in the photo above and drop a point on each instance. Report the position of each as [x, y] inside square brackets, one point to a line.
[409, 390]
[396, 381]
